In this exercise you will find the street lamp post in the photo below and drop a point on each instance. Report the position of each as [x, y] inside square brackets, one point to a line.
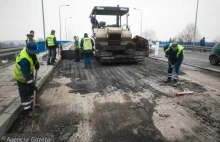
[60, 22]
[65, 26]
[42, 2]
[196, 23]
[141, 19]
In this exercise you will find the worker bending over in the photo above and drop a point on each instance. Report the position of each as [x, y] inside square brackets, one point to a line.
[87, 47]
[26, 62]
[174, 53]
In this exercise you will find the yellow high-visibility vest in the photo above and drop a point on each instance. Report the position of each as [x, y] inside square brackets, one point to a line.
[50, 41]
[87, 44]
[179, 49]
[18, 75]
[34, 40]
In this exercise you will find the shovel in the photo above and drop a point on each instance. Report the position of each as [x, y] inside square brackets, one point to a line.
[33, 125]
[184, 92]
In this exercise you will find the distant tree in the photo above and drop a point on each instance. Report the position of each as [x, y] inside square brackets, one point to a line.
[187, 35]
[170, 40]
[11, 44]
[217, 39]
[150, 34]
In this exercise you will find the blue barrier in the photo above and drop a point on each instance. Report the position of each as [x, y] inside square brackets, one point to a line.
[42, 46]
[208, 44]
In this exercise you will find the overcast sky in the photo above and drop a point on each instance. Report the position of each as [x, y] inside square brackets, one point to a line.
[166, 17]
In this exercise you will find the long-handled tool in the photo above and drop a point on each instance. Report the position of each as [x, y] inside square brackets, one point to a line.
[33, 107]
[184, 92]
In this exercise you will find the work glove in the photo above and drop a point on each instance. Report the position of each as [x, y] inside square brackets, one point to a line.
[32, 84]
[37, 66]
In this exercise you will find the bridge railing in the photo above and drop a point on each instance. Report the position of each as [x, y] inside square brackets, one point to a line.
[42, 45]
[197, 48]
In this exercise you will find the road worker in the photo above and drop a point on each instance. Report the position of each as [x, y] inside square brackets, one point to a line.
[174, 53]
[51, 44]
[87, 47]
[30, 37]
[93, 21]
[26, 63]
[77, 49]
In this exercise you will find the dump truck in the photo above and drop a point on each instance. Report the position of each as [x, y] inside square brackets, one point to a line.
[114, 42]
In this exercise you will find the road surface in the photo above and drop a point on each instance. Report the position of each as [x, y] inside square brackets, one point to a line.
[195, 58]
[127, 103]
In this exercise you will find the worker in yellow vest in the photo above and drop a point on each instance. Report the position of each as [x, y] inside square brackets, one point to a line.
[26, 63]
[77, 49]
[51, 44]
[87, 46]
[30, 37]
[174, 53]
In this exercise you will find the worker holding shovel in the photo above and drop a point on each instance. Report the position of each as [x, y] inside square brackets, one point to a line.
[174, 53]
[26, 63]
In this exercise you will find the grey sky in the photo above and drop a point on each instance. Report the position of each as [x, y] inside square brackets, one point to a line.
[166, 17]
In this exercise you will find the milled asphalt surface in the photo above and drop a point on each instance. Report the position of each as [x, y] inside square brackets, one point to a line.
[125, 103]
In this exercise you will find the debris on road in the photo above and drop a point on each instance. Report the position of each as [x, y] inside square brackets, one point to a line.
[124, 103]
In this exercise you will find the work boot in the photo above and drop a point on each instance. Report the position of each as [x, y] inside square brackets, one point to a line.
[168, 80]
[176, 83]
[28, 113]
[53, 63]
[36, 105]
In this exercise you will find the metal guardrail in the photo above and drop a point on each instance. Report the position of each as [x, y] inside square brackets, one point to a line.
[10, 51]
[198, 48]
[194, 48]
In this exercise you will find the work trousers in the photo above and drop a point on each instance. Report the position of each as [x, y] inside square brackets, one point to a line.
[87, 60]
[170, 71]
[77, 55]
[51, 55]
[26, 93]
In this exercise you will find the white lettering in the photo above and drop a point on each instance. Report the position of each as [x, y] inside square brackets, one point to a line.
[100, 8]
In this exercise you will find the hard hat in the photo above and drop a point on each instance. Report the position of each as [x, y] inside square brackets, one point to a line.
[32, 47]
[174, 45]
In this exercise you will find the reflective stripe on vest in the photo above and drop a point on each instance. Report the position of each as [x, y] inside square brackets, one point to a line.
[179, 49]
[87, 44]
[50, 41]
[18, 75]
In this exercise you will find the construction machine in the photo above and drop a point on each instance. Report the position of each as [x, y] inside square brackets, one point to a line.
[114, 42]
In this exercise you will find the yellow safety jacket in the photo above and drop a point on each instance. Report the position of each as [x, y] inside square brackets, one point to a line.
[50, 41]
[18, 75]
[87, 44]
[179, 49]
[78, 44]
[33, 39]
